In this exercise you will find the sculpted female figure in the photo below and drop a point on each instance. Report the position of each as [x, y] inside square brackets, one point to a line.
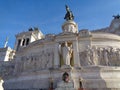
[66, 52]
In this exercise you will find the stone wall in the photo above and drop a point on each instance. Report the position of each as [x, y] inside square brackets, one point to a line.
[7, 69]
[36, 60]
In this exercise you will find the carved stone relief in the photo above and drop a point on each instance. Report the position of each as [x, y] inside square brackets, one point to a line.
[6, 69]
[37, 61]
[100, 56]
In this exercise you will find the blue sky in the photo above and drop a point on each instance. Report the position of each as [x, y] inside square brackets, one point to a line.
[19, 15]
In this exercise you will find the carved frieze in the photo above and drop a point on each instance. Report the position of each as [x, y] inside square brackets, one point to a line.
[100, 56]
[36, 61]
[7, 69]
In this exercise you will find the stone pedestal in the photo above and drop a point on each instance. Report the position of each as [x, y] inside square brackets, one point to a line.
[66, 67]
[65, 86]
[70, 26]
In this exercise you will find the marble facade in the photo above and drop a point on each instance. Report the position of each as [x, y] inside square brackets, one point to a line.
[91, 58]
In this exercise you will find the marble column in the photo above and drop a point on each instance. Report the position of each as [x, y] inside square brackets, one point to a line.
[21, 42]
[76, 54]
[56, 56]
[25, 42]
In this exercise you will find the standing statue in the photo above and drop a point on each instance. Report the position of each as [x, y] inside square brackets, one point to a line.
[66, 52]
[6, 42]
[116, 16]
[118, 55]
[95, 55]
[69, 14]
[105, 55]
[100, 55]
[88, 55]
[80, 83]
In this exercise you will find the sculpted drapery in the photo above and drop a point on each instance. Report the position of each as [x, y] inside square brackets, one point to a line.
[66, 53]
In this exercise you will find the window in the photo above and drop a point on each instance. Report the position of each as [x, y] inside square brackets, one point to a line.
[23, 42]
[27, 41]
[19, 41]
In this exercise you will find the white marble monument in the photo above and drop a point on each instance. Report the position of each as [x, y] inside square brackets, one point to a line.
[39, 61]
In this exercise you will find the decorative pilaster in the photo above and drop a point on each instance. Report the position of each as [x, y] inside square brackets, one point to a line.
[76, 54]
[56, 56]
